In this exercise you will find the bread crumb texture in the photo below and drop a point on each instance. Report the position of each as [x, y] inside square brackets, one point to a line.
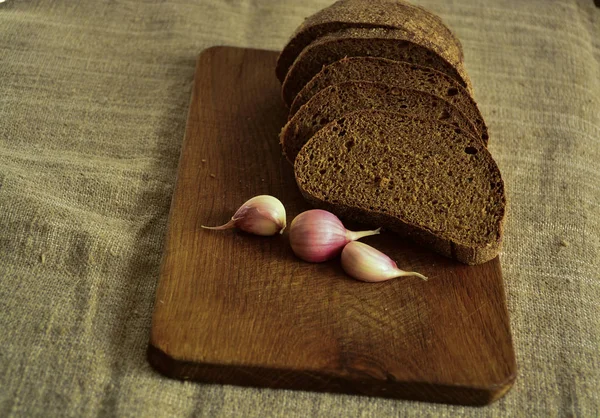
[422, 173]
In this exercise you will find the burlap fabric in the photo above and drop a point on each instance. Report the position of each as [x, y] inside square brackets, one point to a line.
[93, 103]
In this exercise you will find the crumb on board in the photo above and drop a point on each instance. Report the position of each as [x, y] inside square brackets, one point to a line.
[213, 176]
[203, 160]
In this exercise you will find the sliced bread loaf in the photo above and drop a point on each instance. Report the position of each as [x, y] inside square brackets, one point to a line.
[335, 101]
[385, 43]
[424, 179]
[395, 14]
[394, 73]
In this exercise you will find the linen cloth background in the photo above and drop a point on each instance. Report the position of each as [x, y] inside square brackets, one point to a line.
[93, 105]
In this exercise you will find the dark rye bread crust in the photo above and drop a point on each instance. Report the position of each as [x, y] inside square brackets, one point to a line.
[335, 101]
[421, 178]
[394, 73]
[393, 44]
[395, 14]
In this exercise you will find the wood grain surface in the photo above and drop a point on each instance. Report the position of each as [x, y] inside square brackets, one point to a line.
[233, 308]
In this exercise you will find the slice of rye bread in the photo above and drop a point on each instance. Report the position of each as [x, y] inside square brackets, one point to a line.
[424, 179]
[394, 14]
[335, 101]
[394, 73]
[393, 44]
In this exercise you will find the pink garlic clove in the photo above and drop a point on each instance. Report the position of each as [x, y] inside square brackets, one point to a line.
[317, 235]
[363, 262]
[262, 215]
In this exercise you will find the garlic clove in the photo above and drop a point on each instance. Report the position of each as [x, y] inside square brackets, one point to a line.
[262, 215]
[363, 262]
[318, 235]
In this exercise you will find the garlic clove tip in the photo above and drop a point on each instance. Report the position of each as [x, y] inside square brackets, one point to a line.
[228, 225]
[415, 274]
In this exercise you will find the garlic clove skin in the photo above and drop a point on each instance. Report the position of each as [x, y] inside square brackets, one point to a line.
[363, 262]
[318, 235]
[262, 215]
[253, 221]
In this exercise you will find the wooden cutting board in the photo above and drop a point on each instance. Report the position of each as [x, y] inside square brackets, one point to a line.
[233, 308]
